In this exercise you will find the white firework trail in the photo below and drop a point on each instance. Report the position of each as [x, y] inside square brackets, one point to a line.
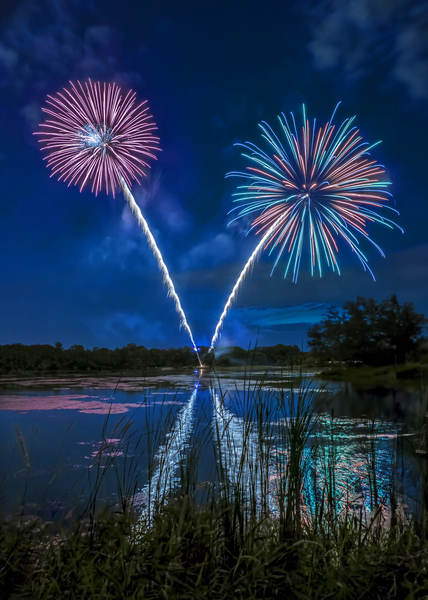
[168, 459]
[244, 273]
[158, 256]
[241, 456]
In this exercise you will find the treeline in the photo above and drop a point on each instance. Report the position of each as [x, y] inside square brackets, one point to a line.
[374, 333]
[279, 355]
[18, 358]
[44, 357]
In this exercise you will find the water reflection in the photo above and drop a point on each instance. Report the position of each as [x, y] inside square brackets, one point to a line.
[82, 403]
[240, 457]
[349, 463]
[357, 468]
[349, 467]
[165, 477]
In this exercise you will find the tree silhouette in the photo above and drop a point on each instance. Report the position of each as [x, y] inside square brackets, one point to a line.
[372, 332]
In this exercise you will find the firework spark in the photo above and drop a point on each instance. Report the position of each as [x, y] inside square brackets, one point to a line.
[97, 135]
[321, 181]
[162, 266]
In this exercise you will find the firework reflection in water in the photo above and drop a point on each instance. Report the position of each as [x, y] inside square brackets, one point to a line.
[240, 458]
[349, 469]
[168, 459]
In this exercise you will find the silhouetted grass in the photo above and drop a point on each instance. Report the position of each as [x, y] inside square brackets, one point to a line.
[248, 534]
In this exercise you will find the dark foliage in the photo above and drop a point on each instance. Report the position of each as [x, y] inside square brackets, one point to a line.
[375, 333]
[43, 357]
[18, 358]
[234, 356]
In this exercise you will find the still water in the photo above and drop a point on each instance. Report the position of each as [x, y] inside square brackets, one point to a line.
[58, 436]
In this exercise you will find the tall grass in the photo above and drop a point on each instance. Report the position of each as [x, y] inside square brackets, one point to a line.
[276, 520]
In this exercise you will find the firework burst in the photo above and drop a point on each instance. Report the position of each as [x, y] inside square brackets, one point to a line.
[320, 181]
[94, 134]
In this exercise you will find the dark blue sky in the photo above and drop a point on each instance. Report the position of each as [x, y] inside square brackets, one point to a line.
[76, 268]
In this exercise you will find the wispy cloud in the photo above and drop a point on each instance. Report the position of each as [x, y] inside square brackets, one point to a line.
[132, 327]
[212, 251]
[37, 49]
[268, 317]
[354, 36]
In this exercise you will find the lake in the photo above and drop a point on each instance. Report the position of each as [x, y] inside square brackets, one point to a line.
[60, 435]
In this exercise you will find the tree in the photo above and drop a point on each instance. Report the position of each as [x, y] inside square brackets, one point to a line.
[361, 336]
[326, 338]
[402, 328]
[369, 331]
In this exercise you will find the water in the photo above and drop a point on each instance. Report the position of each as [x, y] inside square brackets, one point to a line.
[59, 435]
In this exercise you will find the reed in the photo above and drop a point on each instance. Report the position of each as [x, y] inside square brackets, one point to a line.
[273, 521]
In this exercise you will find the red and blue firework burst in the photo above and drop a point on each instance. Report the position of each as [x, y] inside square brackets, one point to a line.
[322, 181]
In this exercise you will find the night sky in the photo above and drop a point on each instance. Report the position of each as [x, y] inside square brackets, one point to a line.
[76, 268]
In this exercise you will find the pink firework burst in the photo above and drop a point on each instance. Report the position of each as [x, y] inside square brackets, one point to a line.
[97, 135]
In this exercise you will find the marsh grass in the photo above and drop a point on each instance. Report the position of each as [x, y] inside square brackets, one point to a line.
[274, 521]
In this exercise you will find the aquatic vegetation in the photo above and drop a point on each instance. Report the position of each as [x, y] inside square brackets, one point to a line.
[279, 518]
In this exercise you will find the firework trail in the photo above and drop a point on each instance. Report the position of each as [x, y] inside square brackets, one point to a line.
[249, 264]
[94, 134]
[158, 256]
[320, 181]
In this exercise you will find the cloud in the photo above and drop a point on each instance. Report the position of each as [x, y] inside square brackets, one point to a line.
[356, 35]
[37, 49]
[33, 114]
[8, 58]
[173, 214]
[269, 317]
[411, 67]
[127, 252]
[268, 326]
[152, 195]
[132, 327]
[101, 36]
[210, 252]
